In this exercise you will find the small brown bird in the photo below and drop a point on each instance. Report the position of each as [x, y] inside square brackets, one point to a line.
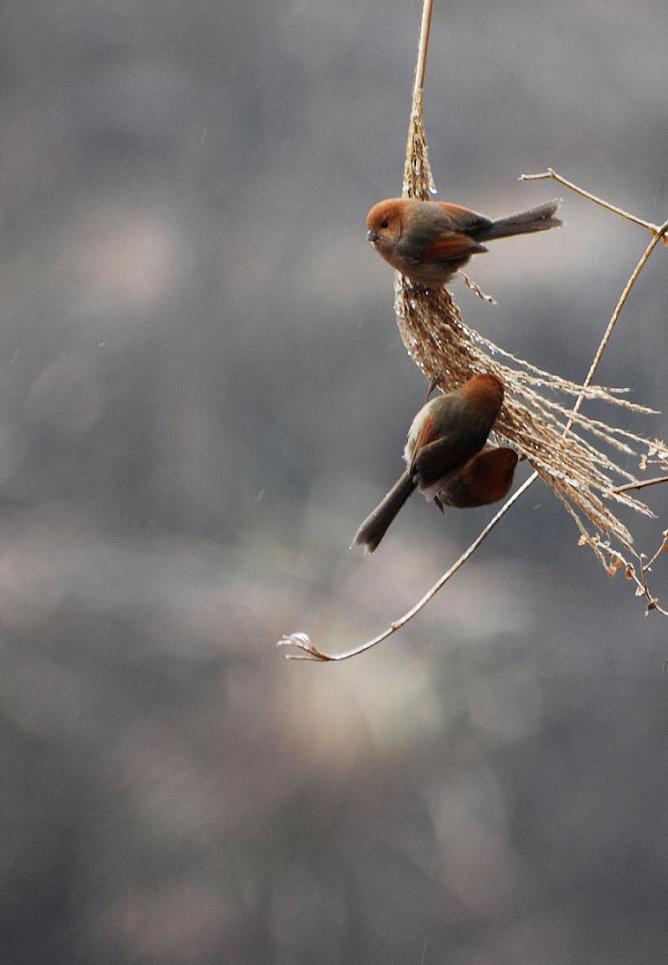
[484, 479]
[429, 241]
[444, 437]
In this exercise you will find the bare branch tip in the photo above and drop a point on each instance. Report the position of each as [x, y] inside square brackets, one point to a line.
[302, 641]
[477, 290]
[541, 176]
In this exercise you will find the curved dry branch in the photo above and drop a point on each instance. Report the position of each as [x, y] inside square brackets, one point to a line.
[311, 652]
[642, 485]
[552, 175]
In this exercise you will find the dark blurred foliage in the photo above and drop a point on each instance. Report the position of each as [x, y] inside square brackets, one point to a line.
[202, 392]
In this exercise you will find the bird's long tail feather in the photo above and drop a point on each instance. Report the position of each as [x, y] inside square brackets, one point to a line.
[375, 525]
[536, 219]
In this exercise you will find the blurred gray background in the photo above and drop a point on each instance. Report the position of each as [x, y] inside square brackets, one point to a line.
[202, 393]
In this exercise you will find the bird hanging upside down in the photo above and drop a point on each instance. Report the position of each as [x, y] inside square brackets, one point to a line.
[430, 241]
[445, 457]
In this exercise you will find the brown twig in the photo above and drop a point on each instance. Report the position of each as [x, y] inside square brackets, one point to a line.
[552, 175]
[641, 581]
[656, 238]
[663, 546]
[423, 49]
[417, 159]
[652, 602]
[302, 642]
[476, 289]
[641, 485]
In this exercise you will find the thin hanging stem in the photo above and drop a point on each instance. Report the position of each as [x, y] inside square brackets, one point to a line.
[416, 167]
[311, 652]
[423, 51]
[633, 278]
[552, 175]
[641, 485]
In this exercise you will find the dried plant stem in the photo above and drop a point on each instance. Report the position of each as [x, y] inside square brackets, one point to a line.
[417, 165]
[476, 289]
[641, 485]
[628, 287]
[552, 175]
[662, 549]
[302, 642]
[423, 49]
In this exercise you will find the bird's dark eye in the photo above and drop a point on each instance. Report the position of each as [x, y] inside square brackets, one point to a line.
[384, 223]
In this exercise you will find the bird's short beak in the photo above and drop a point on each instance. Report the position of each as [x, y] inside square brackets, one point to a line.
[372, 236]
